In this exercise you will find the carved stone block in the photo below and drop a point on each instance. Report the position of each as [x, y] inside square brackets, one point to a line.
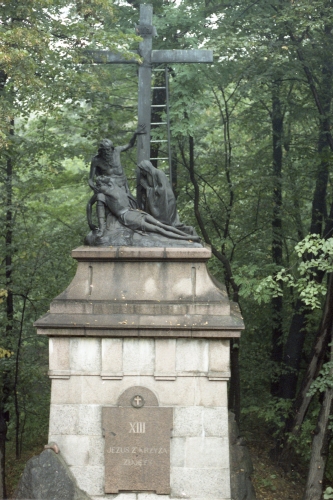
[137, 443]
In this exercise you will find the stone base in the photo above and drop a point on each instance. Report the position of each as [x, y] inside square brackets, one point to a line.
[199, 439]
[154, 318]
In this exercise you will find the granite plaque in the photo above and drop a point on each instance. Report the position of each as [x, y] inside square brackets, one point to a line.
[137, 443]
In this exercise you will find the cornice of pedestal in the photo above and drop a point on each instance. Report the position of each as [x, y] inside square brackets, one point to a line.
[142, 292]
[86, 253]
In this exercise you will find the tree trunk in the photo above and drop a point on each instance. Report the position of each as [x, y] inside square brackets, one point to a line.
[293, 353]
[9, 249]
[320, 445]
[277, 304]
[8, 255]
[319, 209]
[302, 402]
[3, 432]
[295, 342]
[6, 389]
[314, 485]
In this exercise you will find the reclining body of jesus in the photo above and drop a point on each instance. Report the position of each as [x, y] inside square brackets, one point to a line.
[118, 203]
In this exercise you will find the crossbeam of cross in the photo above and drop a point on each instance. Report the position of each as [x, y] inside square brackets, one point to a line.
[146, 30]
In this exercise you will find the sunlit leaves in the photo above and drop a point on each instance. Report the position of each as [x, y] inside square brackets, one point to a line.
[302, 278]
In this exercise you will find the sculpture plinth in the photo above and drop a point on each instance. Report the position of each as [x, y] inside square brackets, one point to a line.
[148, 317]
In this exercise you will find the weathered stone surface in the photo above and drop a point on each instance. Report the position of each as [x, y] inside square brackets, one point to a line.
[75, 419]
[88, 253]
[64, 419]
[121, 496]
[59, 354]
[197, 421]
[85, 356]
[211, 394]
[192, 356]
[148, 397]
[219, 356]
[153, 318]
[47, 476]
[207, 484]
[206, 453]
[178, 451]
[187, 421]
[133, 292]
[112, 358]
[165, 357]
[94, 390]
[138, 356]
[241, 466]
[215, 422]
[137, 443]
[90, 478]
[80, 450]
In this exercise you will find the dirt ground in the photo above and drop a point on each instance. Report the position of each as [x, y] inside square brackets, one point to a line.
[270, 481]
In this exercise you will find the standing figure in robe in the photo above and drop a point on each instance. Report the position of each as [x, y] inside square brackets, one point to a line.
[160, 200]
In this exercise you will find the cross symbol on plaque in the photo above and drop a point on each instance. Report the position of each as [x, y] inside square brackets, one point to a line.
[137, 399]
[149, 57]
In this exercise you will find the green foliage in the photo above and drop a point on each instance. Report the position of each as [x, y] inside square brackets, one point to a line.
[328, 493]
[271, 413]
[302, 443]
[4, 353]
[302, 280]
[267, 482]
[61, 109]
[324, 380]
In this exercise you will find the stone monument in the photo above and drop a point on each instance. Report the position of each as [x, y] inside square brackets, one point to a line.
[139, 347]
[139, 362]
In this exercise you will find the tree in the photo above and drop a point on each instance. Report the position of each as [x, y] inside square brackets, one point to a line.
[41, 71]
[251, 137]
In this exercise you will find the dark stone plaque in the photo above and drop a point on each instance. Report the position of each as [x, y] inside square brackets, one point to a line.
[137, 443]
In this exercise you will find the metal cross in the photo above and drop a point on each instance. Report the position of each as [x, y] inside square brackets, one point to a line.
[149, 57]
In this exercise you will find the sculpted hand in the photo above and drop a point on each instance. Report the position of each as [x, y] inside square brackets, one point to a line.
[141, 129]
[143, 182]
[93, 187]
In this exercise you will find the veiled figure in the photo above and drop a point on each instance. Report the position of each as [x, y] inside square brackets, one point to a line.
[160, 200]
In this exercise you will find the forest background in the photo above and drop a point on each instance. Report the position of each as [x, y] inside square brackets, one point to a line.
[252, 170]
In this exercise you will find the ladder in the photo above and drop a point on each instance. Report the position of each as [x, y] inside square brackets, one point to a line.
[163, 127]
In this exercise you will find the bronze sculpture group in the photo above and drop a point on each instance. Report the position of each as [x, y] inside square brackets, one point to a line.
[120, 220]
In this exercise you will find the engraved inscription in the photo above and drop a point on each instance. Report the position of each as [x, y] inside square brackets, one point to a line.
[137, 447]
[137, 427]
[139, 463]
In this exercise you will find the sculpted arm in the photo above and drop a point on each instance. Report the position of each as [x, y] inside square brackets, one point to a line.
[92, 175]
[89, 212]
[141, 130]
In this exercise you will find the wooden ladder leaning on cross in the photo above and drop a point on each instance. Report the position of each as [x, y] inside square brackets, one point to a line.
[149, 57]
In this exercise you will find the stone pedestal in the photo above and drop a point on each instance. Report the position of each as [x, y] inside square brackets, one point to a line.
[142, 319]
